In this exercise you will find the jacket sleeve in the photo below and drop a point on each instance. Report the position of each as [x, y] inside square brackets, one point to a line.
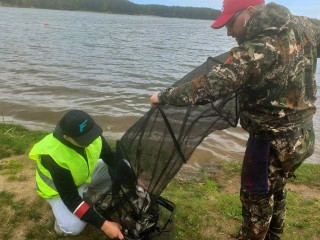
[107, 155]
[119, 168]
[221, 81]
[68, 192]
[316, 27]
[245, 62]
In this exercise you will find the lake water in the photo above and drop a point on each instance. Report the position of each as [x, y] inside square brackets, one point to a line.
[107, 65]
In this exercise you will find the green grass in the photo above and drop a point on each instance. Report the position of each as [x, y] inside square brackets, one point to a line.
[16, 140]
[308, 174]
[204, 209]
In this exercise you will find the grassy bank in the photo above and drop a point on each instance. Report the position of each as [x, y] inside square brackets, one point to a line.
[208, 205]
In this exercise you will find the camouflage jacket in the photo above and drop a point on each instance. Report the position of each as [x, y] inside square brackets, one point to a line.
[273, 72]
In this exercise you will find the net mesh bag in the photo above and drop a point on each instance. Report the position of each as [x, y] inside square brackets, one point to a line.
[156, 147]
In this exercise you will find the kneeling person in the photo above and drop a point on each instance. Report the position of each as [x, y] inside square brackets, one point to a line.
[72, 162]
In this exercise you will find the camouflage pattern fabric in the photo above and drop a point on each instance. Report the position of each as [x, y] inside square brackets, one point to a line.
[264, 213]
[273, 73]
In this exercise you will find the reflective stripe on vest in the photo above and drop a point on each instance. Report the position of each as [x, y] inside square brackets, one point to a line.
[67, 158]
[46, 179]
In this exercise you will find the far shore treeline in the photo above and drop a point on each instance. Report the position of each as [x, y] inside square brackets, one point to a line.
[116, 6]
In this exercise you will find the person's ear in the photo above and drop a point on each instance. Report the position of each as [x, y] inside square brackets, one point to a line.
[250, 10]
[65, 137]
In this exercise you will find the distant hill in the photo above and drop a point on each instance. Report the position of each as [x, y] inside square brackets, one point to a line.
[116, 6]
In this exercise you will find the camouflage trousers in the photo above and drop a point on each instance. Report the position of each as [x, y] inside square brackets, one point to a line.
[264, 212]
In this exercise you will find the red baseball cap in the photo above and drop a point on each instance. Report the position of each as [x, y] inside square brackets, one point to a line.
[230, 8]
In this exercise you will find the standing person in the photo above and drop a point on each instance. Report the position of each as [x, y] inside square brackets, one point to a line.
[273, 72]
[72, 162]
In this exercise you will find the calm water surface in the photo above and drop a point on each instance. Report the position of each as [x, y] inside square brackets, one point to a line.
[107, 65]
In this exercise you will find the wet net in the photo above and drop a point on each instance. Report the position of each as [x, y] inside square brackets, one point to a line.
[156, 147]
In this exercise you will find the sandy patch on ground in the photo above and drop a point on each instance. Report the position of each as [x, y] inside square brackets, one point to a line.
[23, 188]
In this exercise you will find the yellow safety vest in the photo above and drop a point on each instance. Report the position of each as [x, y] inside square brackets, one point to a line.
[81, 170]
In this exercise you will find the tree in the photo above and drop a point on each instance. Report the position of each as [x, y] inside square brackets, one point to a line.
[117, 6]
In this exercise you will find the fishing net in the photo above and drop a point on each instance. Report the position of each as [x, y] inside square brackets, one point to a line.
[156, 147]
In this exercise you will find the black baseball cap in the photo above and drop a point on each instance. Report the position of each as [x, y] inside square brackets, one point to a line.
[80, 127]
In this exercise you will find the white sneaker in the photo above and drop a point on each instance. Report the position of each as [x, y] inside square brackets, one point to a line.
[58, 230]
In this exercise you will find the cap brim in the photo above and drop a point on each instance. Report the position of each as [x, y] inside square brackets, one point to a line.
[89, 137]
[221, 21]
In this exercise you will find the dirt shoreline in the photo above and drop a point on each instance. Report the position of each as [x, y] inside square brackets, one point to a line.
[24, 189]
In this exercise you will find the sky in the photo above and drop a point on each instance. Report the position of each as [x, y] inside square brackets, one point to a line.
[309, 8]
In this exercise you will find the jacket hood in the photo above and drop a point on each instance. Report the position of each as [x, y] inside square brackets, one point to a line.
[269, 19]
